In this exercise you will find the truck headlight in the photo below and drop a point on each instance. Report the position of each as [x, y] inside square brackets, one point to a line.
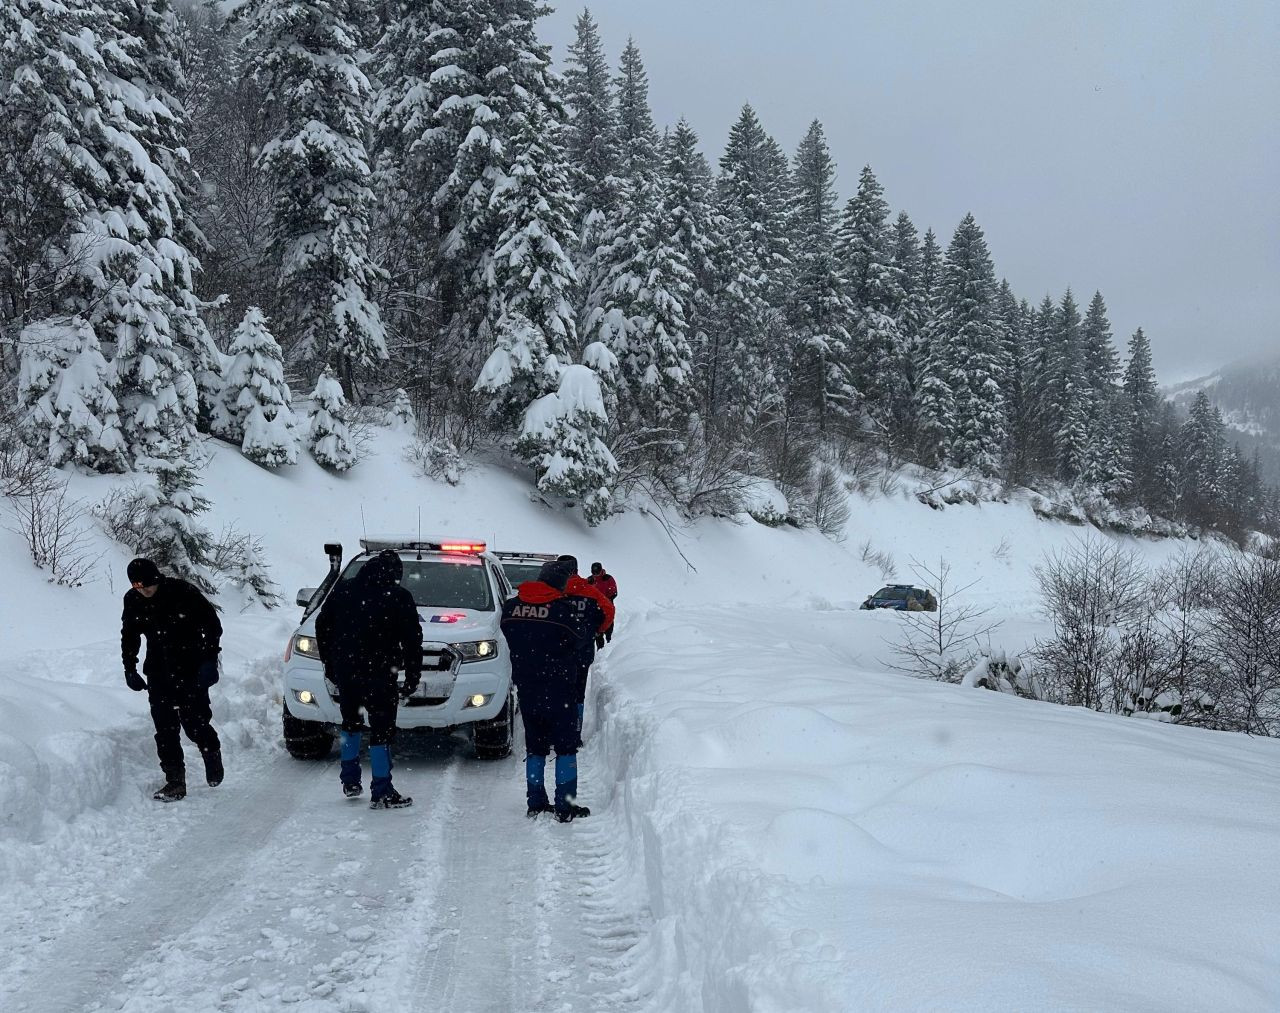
[479, 700]
[305, 697]
[306, 646]
[476, 650]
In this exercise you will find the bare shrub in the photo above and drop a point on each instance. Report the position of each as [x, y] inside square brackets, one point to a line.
[878, 558]
[946, 643]
[713, 479]
[122, 514]
[1244, 635]
[1185, 589]
[829, 503]
[1094, 593]
[50, 521]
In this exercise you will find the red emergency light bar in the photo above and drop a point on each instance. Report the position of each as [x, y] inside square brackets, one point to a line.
[462, 546]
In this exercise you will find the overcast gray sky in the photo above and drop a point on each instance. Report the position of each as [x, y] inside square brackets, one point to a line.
[1131, 147]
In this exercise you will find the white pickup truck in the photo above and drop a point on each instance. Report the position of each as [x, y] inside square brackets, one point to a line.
[459, 588]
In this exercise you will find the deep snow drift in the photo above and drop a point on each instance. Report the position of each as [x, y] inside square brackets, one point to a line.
[779, 824]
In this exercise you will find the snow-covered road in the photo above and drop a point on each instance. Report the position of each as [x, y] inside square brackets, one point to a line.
[274, 890]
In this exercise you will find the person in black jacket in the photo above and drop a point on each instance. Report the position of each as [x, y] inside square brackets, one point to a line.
[546, 630]
[367, 627]
[183, 633]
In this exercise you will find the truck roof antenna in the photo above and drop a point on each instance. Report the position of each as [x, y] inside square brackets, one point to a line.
[363, 526]
[419, 532]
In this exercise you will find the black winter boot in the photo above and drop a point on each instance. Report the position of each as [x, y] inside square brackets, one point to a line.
[571, 813]
[352, 789]
[392, 800]
[538, 808]
[173, 791]
[213, 769]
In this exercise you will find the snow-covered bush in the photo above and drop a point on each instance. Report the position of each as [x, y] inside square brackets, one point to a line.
[65, 386]
[1003, 673]
[254, 407]
[329, 437]
[436, 457]
[829, 503]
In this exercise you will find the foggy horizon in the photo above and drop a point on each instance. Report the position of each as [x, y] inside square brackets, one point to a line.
[1116, 150]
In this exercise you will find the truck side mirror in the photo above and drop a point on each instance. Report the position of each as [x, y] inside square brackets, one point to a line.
[305, 595]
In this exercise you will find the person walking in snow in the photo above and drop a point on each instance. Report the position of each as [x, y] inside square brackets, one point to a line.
[606, 585]
[366, 628]
[183, 640]
[579, 588]
[545, 629]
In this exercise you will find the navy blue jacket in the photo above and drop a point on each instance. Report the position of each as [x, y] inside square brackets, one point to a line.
[546, 632]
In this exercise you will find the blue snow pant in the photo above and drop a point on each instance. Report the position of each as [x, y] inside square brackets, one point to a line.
[550, 723]
[379, 700]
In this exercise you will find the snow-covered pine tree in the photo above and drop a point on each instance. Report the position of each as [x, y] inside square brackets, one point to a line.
[1010, 326]
[819, 307]
[1106, 468]
[328, 436]
[873, 291]
[309, 61]
[691, 226]
[913, 308]
[401, 415]
[562, 438]
[531, 277]
[1202, 447]
[255, 406]
[64, 389]
[966, 326]
[591, 135]
[149, 30]
[753, 271]
[1069, 395]
[1101, 364]
[1141, 404]
[415, 64]
[641, 280]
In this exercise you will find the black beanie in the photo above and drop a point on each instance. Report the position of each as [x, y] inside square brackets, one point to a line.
[143, 571]
[555, 574]
[597, 568]
[571, 560]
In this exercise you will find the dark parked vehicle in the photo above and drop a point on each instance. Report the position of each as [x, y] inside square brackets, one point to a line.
[904, 598]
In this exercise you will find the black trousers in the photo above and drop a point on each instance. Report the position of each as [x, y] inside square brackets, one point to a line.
[380, 699]
[180, 705]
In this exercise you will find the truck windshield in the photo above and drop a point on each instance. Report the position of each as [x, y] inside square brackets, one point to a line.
[442, 583]
[893, 593]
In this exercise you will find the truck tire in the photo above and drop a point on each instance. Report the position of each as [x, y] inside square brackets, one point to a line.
[493, 738]
[306, 740]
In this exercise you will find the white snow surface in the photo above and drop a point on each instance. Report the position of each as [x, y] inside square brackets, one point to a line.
[779, 823]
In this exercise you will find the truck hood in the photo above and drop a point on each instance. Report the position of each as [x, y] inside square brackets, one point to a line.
[442, 625]
[453, 625]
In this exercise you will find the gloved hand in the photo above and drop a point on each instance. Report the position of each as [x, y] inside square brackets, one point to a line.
[134, 681]
[599, 641]
[410, 685]
[207, 673]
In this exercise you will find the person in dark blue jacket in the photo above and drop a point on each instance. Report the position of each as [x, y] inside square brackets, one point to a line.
[367, 627]
[546, 630]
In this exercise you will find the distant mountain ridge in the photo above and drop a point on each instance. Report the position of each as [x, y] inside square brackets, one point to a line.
[1248, 395]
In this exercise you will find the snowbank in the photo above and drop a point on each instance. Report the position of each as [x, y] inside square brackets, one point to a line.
[810, 834]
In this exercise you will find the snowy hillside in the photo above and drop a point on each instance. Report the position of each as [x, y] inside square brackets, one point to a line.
[1248, 395]
[779, 823]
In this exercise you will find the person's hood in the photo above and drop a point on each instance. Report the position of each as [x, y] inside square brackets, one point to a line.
[383, 570]
[535, 592]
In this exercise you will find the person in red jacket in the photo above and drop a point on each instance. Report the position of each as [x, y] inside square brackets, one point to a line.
[604, 583]
[577, 587]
